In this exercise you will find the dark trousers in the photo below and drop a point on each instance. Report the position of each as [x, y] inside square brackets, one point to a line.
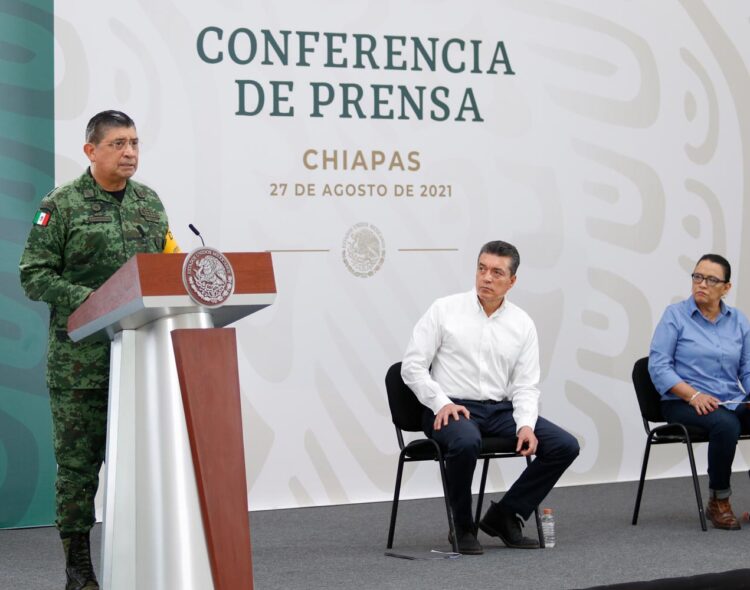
[461, 442]
[723, 426]
[79, 429]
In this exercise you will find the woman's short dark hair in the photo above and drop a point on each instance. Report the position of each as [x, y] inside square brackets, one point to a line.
[100, 122]
[500, 248]
[721, 261]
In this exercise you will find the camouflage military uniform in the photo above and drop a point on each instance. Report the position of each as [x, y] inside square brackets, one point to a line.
[82, 235]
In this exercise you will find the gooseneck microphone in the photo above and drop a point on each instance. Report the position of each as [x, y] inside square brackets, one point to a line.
[196, 232]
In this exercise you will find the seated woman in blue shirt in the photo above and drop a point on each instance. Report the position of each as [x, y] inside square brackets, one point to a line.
[700, 364]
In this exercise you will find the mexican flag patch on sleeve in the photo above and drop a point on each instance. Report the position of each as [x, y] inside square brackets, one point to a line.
[42, 218]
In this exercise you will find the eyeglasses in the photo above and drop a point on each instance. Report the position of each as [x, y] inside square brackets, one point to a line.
[698, 278]
[119, 144]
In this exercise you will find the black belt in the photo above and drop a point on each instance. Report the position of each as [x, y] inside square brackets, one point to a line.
[482, 401]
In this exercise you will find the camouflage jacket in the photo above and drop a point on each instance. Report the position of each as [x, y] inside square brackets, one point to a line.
[80, 237]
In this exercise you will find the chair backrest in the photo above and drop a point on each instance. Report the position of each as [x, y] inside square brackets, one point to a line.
[406, 409]
[648, 398]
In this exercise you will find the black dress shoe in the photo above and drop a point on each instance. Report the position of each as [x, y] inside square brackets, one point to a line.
[467, 542]
[498, 522]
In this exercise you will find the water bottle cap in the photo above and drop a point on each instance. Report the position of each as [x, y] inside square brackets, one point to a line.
[548, 511]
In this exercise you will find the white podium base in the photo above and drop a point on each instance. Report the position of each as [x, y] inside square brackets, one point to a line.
[152, 528]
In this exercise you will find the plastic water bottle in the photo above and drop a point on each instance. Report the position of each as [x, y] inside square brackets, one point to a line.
[548, 528]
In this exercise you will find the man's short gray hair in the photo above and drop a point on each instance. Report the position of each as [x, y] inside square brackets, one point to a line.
[100, 122]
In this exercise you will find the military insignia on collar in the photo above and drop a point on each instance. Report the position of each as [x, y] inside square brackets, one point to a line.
[42, 217]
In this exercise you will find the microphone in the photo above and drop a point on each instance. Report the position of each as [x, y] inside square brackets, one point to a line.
[196, 232]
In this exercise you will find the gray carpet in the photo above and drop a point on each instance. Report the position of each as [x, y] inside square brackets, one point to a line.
[343, 546]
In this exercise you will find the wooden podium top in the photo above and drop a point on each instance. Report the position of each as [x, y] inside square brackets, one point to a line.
[149, 286]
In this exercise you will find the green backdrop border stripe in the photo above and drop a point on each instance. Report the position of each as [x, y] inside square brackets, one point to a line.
[27, 172]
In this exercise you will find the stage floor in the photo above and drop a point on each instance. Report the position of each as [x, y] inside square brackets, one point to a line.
[343, 546]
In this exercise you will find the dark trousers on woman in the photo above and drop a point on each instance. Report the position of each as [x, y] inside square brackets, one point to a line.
[724, 427]
[461, 442]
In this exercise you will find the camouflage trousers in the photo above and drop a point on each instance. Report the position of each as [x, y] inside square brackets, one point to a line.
[79, 431]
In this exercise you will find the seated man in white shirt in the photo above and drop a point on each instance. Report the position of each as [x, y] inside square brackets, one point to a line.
[484, 355]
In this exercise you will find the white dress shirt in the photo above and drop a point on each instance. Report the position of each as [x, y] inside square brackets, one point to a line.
[475, 357]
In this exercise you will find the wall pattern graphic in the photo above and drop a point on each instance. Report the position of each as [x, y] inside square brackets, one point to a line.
[27, 467]
[372, 147]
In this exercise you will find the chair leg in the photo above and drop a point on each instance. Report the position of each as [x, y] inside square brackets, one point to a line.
[539, 531]
[451, 524]
[642, 480]
[696, 485]
[396, 493]
[480, 499]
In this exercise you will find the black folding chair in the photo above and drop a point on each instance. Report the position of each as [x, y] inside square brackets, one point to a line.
[406, 413]
[649, 402]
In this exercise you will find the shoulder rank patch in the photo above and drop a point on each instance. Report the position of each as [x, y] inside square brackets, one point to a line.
[42, 217]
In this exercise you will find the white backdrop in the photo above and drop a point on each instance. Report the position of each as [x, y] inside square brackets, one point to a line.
[612, 158]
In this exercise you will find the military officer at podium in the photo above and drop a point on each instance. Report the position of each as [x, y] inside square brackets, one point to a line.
[82, 233]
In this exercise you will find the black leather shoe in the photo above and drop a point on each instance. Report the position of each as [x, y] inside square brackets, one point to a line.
[78, 568]
[498, 522]
[467, 542]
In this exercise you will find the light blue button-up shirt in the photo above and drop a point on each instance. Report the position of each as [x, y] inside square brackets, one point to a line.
[712, 357]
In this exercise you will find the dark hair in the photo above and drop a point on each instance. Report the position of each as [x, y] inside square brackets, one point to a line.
[100, 122]
[721, 261]
[504, 249]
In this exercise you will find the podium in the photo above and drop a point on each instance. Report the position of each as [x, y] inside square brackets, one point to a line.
[175, 496]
